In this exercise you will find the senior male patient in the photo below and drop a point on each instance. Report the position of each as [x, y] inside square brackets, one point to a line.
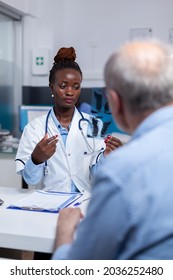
[130, 215]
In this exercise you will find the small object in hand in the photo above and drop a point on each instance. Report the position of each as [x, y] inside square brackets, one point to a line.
[107, 138]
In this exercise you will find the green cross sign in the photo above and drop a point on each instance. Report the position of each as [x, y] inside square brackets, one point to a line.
[39, 60]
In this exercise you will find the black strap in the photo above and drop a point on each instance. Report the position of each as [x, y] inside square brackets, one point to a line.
[17, 159]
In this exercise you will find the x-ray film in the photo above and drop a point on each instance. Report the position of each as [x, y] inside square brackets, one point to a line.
[100, 109]
[95, 128]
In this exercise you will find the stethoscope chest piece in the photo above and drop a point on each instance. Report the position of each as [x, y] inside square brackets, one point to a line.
[46, 169]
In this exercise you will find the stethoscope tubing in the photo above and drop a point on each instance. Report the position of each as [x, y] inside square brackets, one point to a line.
[79, 123]
[83, 119]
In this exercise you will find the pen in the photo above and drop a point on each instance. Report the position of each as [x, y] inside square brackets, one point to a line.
[80, 202]
[32, 208]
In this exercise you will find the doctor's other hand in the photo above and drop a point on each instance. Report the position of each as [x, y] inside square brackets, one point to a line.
[68, 220]
[44, 149]
[112, 143]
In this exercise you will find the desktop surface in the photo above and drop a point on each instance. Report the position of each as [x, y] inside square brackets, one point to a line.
[26, 230]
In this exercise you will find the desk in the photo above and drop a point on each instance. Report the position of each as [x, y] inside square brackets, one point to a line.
[26, 230]
[8, 176]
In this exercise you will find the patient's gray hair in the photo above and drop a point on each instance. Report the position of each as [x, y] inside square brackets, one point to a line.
[142, 74]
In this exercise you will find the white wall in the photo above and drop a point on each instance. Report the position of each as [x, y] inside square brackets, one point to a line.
[45, 31]
[95, 28]
[108, 23]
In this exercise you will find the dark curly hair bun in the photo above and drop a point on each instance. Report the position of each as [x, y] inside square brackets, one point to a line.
[65, 54]
[64, 59]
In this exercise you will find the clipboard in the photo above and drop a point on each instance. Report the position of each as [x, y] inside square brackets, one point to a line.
[45, 201]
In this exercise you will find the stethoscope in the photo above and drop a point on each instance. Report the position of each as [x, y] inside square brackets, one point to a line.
[83, 119]
[91, 149]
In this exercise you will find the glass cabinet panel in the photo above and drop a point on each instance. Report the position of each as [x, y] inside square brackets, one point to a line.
[6, 72]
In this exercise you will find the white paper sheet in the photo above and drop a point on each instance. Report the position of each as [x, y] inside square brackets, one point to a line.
[45, 200]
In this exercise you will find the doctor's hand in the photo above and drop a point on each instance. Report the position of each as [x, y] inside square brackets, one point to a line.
[44, 149]
[68, 220]
[112, 143]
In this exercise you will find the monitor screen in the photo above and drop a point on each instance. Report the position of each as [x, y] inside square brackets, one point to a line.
[28, 113]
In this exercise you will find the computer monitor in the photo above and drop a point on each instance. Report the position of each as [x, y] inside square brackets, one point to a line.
[27, 113]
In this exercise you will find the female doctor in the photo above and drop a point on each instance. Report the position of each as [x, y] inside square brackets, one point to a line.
[54, 152]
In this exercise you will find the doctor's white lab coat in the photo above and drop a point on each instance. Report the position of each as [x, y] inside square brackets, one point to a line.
[69, 163]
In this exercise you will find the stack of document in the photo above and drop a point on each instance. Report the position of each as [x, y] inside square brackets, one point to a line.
[45, 201]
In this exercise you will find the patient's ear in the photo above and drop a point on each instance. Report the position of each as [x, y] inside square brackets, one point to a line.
[115, 103]
[118, 111]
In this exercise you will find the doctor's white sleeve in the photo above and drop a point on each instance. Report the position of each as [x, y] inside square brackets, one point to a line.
[31, 173]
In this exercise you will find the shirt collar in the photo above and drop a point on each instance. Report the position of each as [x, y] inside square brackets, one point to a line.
[57, 123]
[155, 119]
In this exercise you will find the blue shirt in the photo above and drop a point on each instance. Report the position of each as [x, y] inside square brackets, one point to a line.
[130, 215]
